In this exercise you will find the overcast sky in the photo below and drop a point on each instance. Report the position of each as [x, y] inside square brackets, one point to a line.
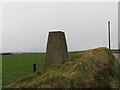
[25, 26]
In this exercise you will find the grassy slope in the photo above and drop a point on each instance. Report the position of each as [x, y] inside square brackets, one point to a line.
[20, 65]
[89, 69]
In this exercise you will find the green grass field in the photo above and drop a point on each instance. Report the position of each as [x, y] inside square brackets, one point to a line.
[96, 68]
[20, 65]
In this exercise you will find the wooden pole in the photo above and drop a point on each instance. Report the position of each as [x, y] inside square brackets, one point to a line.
[109, 35]
[34, 67]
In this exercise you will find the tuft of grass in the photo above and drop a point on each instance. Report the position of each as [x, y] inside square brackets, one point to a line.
[96, 68]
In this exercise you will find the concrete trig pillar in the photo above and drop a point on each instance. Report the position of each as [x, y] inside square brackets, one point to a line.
[56, 52]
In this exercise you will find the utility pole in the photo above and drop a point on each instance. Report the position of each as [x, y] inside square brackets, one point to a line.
[109, 35]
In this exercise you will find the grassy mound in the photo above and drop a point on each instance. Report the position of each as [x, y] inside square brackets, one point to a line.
[95, 68]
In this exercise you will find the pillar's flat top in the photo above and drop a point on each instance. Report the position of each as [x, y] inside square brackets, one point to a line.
[56, 32]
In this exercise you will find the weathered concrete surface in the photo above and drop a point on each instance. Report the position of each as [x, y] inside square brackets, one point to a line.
[56, 52]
